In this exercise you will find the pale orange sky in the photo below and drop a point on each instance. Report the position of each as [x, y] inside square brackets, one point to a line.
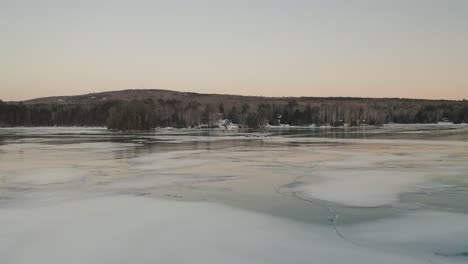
[416, 49]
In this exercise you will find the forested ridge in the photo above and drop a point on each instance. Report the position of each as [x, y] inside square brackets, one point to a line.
[148, 109]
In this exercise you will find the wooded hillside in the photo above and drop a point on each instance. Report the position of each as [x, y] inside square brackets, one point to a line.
[147, 109]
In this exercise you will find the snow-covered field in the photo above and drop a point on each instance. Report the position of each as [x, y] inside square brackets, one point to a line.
[396, 194]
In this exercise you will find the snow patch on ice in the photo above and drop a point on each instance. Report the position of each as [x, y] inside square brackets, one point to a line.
[365, 188]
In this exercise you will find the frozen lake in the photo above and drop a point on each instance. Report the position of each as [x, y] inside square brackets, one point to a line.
[393, 194]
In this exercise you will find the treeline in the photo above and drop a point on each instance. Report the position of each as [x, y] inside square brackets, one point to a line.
[173, 112]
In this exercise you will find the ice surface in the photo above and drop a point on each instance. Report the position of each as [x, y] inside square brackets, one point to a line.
[88, 195]
[375, 177]
[143, 230]
[427, 232]
[46, 176]
[166, 160]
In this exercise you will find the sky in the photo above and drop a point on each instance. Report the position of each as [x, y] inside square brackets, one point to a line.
[366, 48]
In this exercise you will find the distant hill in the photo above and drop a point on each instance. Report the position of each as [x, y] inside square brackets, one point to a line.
[136, 94]
[155, 94]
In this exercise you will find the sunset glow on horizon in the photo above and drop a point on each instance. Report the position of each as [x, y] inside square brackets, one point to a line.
[410, 49]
